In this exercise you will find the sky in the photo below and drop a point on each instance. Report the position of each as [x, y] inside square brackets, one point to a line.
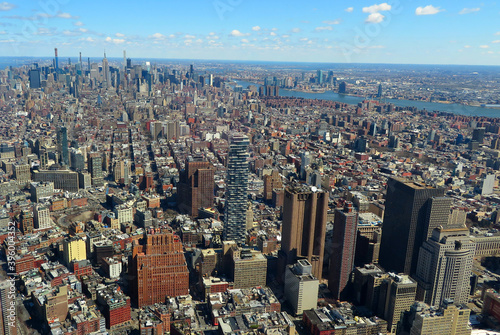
[327, 31]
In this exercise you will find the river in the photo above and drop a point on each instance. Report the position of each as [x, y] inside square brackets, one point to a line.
[353, 100]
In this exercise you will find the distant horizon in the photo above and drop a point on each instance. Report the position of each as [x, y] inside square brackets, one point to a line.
[63, 59]
[442, 32]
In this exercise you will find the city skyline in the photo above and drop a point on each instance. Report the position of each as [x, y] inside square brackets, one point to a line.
[361, 32]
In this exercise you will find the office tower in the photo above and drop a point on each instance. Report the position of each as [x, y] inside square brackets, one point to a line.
[41, 216]
[62, 179]
[301, 287]
[158, 267]
[319, 79]
[74, 249]
[26, 219]
[22, 173]
[95, 168]
[305, 161]
[478, 135]
[304, 226]
[366, 285]
[449, 320]
[271, 182]
[404, 226]
[343, 87]
[397, 294]
[488, 184]
[445, 265]
[8, 320]
[236, 190]
[105, 70]
[62, 146]
[34, 75]
[56, 59]
[77, 161]
[379, 93]
[249, 268]
[438, 215]
[196, 187]
[345, 229]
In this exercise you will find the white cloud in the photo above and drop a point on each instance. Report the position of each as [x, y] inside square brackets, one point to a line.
[484, 46]
[274, 29]
[108, 39]
[375, 18]
[256, 28]
[190, 37]
[118, 41]
[158, 36]
[89, 39]
[78, 23]
[211, 33]
[244, 41]
[495, 41]
[6, 41]
[331, 22]
[66, 16]
[467, 46]
[5, 6]
[119, 35]
[469, 10]
[349, 9]
[295, 30]
[497, 33]
[304, 39]
[377, 8]
[3, 32]
[83, 30]
[285, 36]
[428, 10]
[323, 28]
[238, 33]
[272, 33]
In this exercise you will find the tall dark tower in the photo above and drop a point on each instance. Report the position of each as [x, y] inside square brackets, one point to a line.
[236, 190]
[62, 144]
[57, 59]
[405, 224]
[196, 187]
[304, 227]
[345, 229]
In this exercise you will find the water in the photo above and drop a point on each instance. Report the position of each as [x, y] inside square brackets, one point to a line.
[353, 100]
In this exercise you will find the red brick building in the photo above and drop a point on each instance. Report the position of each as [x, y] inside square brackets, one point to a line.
[158, 267]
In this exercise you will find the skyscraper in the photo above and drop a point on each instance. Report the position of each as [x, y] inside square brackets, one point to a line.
[158, 267]
[345, 229]
[62, 145]
[320, 77]
[196, 187]
[35, 78]
[95, 168]
[444, 266]
[304, 226]
[404, 228]
[8, 325]
[105, 71]
[236, 190]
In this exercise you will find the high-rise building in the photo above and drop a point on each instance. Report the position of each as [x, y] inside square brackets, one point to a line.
[478, 135]
[445, 265]
[271, 182]
[35, 78]
[345, 229]
[304, 226]
[62, 145]
[158, 267]
[320, 76]
[404, 227]
[22, 173]
[343, 87]
[249, 268]
[8, 321]
[95, 169]
[397, 294]
[449, 320]
[41, 215]
[74, 249]
[196, 187]
[236, 190]
[301, 287]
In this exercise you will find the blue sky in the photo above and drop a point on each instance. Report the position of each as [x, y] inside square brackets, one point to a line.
[400, 31]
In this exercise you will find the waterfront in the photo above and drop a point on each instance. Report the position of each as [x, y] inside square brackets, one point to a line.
[349, 99]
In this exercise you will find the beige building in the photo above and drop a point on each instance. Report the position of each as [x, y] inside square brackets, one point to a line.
[301, 287]
[74, 249]
[249, 268]
[452, 320]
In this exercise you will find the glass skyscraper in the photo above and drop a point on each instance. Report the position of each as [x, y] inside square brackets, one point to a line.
[236, 190]
[62, 143]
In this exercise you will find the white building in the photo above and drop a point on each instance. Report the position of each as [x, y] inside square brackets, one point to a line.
[301, 287]
[41, 217]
